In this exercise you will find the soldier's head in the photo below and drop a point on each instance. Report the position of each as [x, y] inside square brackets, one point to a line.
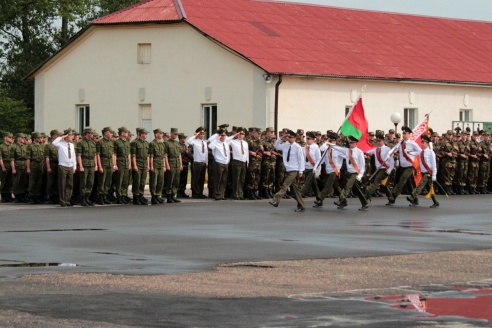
[290, 136]
[310, 137]
[269, 132]
[200, 133]
[372, 135]
[300, 134]
[241, 133]
[173, 133]
[123, 132]
[353, 142]
[158, 134]
[107, 132]
[406, 132]
[380, 138]
[8, 138]
[391, 133]
[425, 141]
[449, 135]
[182, 138]
[142, 133]
[222, 134]
[68, 135]
[36, 137]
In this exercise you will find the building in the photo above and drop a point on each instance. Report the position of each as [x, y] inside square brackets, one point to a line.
[184, 63]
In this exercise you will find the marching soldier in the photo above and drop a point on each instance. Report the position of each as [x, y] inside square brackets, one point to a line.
[174, 166]
[51, 161]
[123, 160]
[139, 149]
[18, 157]
[34, 168]
[6, 170]
[157, 154]
[107, 164]
[383, 168]
[312, 156]
[87, 165]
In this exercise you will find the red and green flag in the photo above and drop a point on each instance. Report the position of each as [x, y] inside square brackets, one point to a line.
[355, 125]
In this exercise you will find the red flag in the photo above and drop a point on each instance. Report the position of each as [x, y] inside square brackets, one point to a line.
[422, 128]
[356, 125]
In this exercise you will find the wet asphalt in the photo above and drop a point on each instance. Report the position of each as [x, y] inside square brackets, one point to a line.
[198, 235]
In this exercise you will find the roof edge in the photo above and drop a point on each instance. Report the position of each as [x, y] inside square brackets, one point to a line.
[179, 9]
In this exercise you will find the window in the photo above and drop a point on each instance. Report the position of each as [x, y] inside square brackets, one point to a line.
[410, 117]
[143, 53]
[209, 118]
[84, 113]
[347, 110]
[465, 115]
[146, 119]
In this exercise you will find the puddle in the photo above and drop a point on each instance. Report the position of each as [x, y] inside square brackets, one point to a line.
[423, 227]
[31, 265]
[55, 230]
[465, 302]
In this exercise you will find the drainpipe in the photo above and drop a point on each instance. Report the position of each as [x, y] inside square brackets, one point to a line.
[277, 87]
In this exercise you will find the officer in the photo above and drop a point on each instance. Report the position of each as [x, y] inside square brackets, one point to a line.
[18, 157]
[174, 166]
[139, 149]
[6, 171]
[123, 160]
[239, 163]
[51, 162]
[34, 168]
[106, 160]
[87, 164]
[200, 161]
[157, 154]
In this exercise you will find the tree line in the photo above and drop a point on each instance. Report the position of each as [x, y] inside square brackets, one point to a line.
[30, 32]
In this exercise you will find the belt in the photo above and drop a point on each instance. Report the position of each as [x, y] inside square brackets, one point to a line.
[87, 157]
[122, 157]
[35, 161]
[171, 157]
[236, 160]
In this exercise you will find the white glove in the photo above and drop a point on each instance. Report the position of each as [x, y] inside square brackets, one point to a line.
[388, 172]
[434, 179]
[359, 179]
[316, 174]
[407, 151]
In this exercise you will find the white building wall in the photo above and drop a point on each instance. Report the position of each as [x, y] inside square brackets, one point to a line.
[319, 104]
[103, 64]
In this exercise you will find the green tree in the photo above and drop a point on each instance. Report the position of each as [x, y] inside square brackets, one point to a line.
[14, 116]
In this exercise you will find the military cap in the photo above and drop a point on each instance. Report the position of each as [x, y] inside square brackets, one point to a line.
[424, 137]
[406, 129]
[221, 132]
[123, 129]
[144, 131]
[449, 132]
[331, 135]
[431, 131]
[157, 131]
[234, 128]
[223, 126]
[20, 135]
[35, 135]
[75, 132]
[311, 134]
[182, 136]
[291, 133]
[391, 131]
[435, 134]
[68, 131]
[380, 135]
[352, 139]
[269, 129]
[258, 130]
[174, 130]
[475, 133]
[200, 129]
[486, 133]
[241, 130]
[106, 129]
[371, 134]
[88, 129]
[318, 133]
[8, 134]
[397, 135]
[300, 131]
[28, 136]
[165, 134]
[251, 129]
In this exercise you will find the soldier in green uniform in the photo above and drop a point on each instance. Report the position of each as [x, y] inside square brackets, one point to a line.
[473, 164]
[448, 156]
[123, 160]
[157, 167]
[253, 172]
[87, 164]
[6, 171]
[18, 156]
[34, 168]
[187, 159]
[51, 162]
[461, 163]
[484, 166]
[139, 150]
[174, 166]
[106, 160]
[268, 164]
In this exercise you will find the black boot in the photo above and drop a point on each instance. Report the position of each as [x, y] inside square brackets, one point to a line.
[250, 194]
[83, 202]
[270, 193]
[17, 199]
[255, 193]
[154, 200]
[175, 199]
[169, 199]
[264, 194]
[106, 200]
[100, 200]
[136, 200]
[119, 200]
[88, 200]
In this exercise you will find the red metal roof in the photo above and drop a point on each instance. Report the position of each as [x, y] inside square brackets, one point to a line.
[301, 39]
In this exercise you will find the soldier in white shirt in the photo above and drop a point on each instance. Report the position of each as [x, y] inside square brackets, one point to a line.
[312, 156]
[240, 160]
[67, 165]
[294, 162]
[333, 160]
[383, 167]
[221, 152]
[200, 162]
[356, 165]
[407, 151]
[428, 168]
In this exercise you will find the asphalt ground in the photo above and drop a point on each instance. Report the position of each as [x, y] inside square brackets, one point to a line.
[202, 263]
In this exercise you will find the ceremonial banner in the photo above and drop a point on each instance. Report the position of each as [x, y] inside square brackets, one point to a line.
[422, 128]
[356, 125]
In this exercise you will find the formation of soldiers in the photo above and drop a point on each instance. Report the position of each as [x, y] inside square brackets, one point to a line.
[241, 164]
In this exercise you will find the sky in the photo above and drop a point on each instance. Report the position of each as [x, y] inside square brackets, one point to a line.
[465, 9]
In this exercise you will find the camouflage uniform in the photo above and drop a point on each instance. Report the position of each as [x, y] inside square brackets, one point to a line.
[139, 150]
[268, 167]
[254, 168]
[18, 155]
[173, 151]
[122, 176]
[448, 163]
[105, 151]
[6, 177]
[473, 166]
[484, 167]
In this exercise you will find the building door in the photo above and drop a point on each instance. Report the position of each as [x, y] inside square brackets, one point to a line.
[84, 115]
[146, 119]
[209, 118]
[410, 117]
